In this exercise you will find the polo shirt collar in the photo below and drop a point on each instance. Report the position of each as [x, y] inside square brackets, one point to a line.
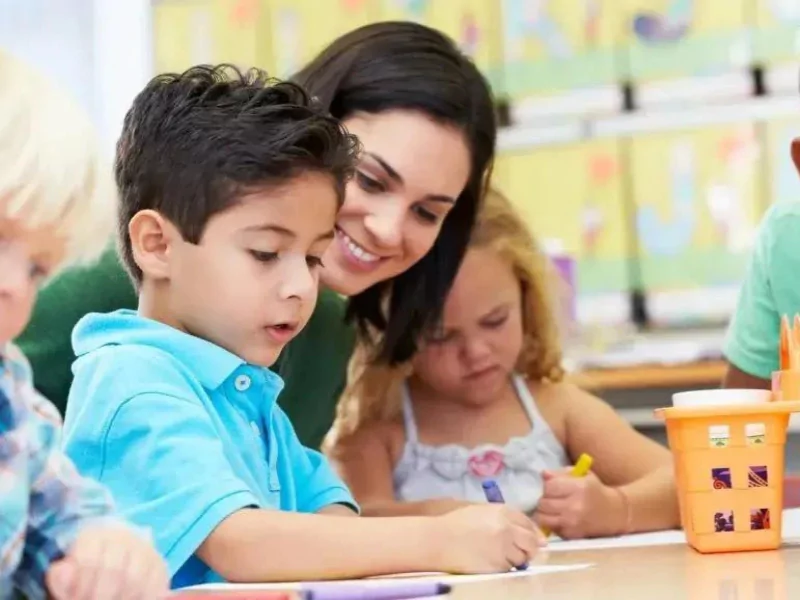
[210, 364]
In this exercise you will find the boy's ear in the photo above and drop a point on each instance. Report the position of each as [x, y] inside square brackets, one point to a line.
[152, 239]
[796, 153]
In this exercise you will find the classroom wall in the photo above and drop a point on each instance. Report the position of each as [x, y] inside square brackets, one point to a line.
[664, 210]
[667, 212]
[101, 51]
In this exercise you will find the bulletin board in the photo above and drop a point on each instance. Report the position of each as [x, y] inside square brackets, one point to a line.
[782, 181]
[182, 34]
[302, 28]
[572, 194]
[697, 202]
[684, 38]
[552, 46]
[240, 33]
[475, 25]
[776, 31]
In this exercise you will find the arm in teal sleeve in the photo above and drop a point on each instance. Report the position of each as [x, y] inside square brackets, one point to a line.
[318, 486]
[770, 289]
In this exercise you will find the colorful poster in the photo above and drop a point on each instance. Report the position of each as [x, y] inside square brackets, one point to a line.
[302, 28]
[241, 30]
[406, 10]
[685, 38]
[782, 178]
[571, 196]
[776, 31]
[182, 34]
[553, 45]
[696, 199]
[473, 24]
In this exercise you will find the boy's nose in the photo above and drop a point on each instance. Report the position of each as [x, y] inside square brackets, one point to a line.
[299, 282]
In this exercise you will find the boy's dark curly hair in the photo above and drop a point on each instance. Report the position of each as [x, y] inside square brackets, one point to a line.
[193, 142]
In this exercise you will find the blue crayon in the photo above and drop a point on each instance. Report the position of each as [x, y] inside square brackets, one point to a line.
[493, 495]
[492, 492]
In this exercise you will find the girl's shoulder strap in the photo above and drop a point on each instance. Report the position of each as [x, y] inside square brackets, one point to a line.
[527, 400]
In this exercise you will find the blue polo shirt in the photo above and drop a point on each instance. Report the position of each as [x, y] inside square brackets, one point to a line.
[184, 433]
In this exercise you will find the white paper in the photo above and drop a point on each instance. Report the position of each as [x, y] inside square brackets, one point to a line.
[531, 571]
[656, 538]
[457, 579]
[790, 529]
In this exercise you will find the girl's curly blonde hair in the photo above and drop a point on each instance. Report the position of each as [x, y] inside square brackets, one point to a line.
[373, 391]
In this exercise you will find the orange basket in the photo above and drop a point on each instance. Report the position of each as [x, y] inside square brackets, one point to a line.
[729, 470]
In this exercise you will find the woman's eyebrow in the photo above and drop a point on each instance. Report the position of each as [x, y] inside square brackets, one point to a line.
[394, 175]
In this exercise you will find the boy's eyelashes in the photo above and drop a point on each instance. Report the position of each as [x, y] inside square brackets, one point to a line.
[264, 257]
[38, 273]
[267, 257]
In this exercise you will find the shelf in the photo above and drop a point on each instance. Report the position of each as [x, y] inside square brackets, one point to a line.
[706, 373]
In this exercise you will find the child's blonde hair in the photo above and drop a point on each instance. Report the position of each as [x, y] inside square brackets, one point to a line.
[373, 392]
[51, 171]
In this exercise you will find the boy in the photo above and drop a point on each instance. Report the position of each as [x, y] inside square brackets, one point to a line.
[769, 291]
[57, 531]
[230, 188]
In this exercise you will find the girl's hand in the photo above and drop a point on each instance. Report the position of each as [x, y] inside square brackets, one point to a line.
[109, 561]
[577, 507]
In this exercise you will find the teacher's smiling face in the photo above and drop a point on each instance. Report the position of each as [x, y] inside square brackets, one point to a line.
[411, 173]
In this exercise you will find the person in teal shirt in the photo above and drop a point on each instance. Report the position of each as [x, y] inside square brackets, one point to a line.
[770, 290]
[425, 118]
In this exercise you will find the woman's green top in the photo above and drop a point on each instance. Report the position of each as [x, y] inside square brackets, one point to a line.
[313, 365]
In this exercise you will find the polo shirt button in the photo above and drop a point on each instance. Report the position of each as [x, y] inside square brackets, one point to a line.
[255, 428]
[242, 383]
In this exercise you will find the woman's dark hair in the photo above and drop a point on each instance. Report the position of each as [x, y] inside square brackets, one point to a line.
[405, 65]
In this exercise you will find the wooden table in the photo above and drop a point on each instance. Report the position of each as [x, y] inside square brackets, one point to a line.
[672, 572]
[668, 572]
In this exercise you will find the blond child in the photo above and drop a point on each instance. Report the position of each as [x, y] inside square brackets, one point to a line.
[484, 397]
[58, 535]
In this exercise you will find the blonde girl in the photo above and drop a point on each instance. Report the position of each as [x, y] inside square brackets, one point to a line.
[485, 397]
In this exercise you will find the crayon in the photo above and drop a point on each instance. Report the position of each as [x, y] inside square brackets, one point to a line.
[201, 594]
[395, 590]
[493, 494]
[785, 351]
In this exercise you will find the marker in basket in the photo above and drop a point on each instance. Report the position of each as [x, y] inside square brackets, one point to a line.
[385, 590]
[580, 469]
[785, 343]
[493, 494]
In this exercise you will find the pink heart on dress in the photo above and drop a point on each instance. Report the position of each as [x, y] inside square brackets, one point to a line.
[488, 464]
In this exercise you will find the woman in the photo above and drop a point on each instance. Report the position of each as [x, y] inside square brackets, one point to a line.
[425, 117]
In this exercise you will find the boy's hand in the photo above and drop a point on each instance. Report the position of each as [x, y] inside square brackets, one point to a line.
[109, 561]
[486, 538]
[575, 507]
